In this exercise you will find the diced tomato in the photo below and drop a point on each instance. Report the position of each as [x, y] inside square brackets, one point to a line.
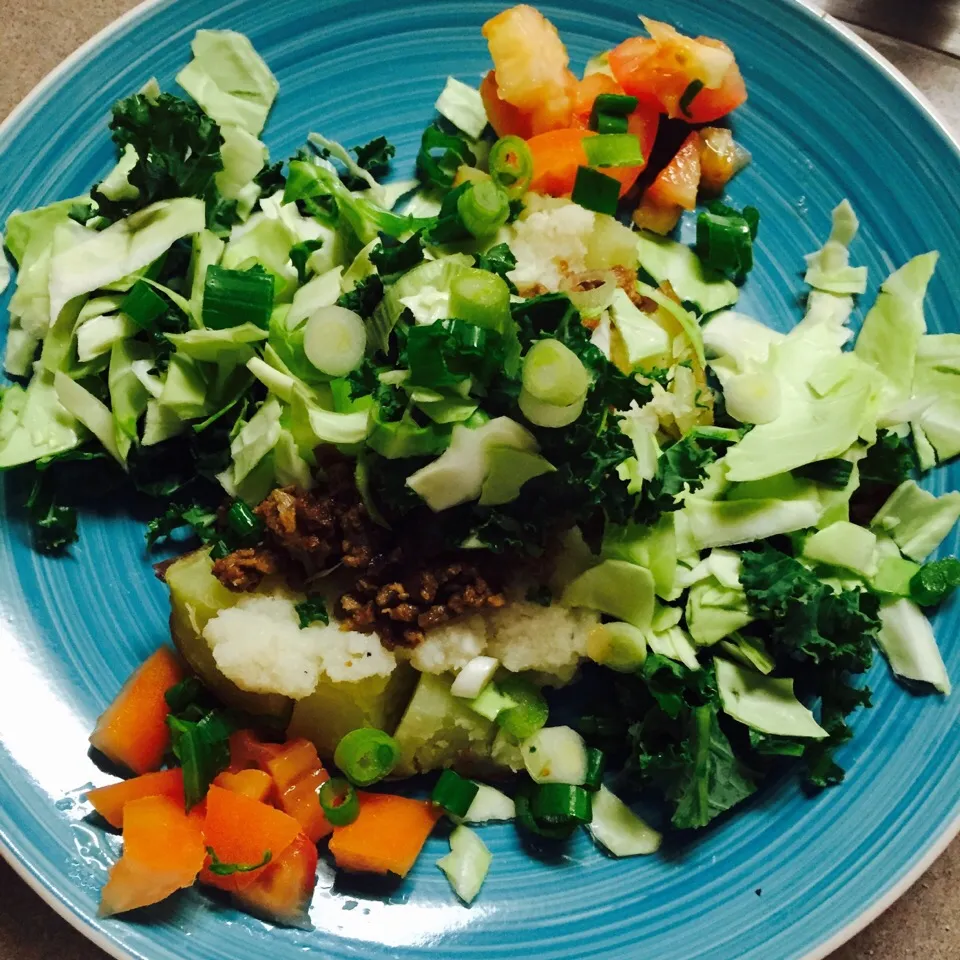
[298, 775]
[721, 159]
[282, 892]
[163, 850]
[531, 66]
[588, 89]
[240, 831]
[133, 731]
[649, 216]
[386, 837]
[110, 801]
[248, 752]
[504, 117]
[677, 183]
[558, 154]
[255, 784]
[661, 71]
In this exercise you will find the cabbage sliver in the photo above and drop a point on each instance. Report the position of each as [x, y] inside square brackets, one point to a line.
[764, 703]
[676, 263]
[229, 80]
[43, 425]
[936, 393]
[917, 520]
[892, 330]
[123, 248]
[907, 641]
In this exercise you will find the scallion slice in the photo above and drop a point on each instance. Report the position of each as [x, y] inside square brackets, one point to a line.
[614, 105]
[553, 373]
[613, 150]
[334, 340]
[511, 165]
[474, 677]
[558, 804]
[340, 803]
[483, 208]
[531, 711]
[366, 755]
[596, 191]
[235, 297]
[611, 124]
[454, 793]
[542, 414]
[480, 297]
[596, 765]
[689, 95]
[492, 702]
[526, 820]
[244, 524]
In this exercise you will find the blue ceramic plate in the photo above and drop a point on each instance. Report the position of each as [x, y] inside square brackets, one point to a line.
[788, 877]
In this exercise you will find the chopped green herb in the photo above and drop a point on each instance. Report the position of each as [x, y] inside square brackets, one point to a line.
[312, 610]
[689, 95]
[220, 869]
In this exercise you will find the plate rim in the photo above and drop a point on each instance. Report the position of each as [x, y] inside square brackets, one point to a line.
[111, 946]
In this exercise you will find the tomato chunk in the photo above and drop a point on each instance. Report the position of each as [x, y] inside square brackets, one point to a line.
[110, 801]
[558, 154]
[678, 182]
[133, 731]
[282, 892]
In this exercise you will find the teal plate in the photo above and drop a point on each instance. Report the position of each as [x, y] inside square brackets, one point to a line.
[789, 877]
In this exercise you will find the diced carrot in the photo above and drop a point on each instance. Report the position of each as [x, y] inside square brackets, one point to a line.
[298, 774]
[163, 851]
[133, 729]
[240, 831]
[504, 117]
[556, 157]
[678, 182]
[282, 892]
[255, 784]
[386, 837]
[110, 801]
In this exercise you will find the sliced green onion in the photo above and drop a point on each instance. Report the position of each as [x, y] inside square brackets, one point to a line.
[555, 755]
[619, 829]
[542, 414]
[466, 864]
[219, 550]
[235, 297]
[531, 711]
[725, 239]
[553, 373]
[143, 305]
[511, 165]
[611, 124]
[334, 340]
[454, 793]
[484, 208]
[339, 801]
[243, 523]
[480, 297]
[474, 677]
[934, 580]
[613, 150]
[689, 95]
[491, 702]
[596, 765]
[526, 820]
[833, 473]
[596, 191]
[366, 755]
[613, 104]
[490, 805]
[557, 804]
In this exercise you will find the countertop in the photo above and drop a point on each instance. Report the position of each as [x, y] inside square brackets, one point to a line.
[37, 35]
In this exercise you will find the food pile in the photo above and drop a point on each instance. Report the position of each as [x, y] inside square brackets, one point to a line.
[452, 445]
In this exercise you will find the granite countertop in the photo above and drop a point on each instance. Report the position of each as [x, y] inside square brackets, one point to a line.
[36, 36]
